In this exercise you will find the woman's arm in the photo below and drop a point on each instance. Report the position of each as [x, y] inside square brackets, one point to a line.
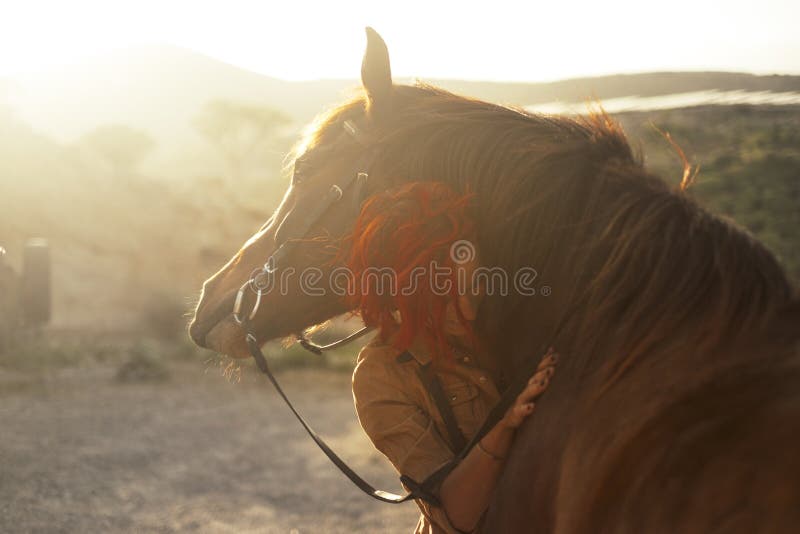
[466, 491]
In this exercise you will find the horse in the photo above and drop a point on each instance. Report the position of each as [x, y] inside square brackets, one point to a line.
[677, 400]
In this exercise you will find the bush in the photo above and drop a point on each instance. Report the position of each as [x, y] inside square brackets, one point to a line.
[163, 316]
[143, 365]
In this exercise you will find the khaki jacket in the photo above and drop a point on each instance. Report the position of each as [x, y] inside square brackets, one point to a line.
[402, 421]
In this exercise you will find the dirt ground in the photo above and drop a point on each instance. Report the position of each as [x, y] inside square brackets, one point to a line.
[199, 452]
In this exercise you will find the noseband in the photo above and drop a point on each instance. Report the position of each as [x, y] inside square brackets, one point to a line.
[265, 276]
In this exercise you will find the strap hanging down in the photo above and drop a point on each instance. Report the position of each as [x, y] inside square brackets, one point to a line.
[363, 485]
[495, 415]
[506, 400]
[434, 387]
[419, 490]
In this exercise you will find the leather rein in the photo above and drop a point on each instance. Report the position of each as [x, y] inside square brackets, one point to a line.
[418, 489]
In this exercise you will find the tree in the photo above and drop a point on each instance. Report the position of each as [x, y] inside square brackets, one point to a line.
[240, 132]
[122, 147]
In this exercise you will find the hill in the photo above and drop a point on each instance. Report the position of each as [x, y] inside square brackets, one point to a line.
[160, 89]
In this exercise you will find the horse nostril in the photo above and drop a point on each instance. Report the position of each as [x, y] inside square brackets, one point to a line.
[198, 335]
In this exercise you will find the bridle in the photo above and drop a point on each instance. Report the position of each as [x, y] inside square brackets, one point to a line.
[417, 489]
[357, 178]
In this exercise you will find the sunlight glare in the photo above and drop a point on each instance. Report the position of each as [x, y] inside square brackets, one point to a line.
[502, 40]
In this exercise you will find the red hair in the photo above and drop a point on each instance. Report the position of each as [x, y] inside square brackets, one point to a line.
[399, 233]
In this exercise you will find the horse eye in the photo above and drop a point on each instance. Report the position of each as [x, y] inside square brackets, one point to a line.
[303, 163]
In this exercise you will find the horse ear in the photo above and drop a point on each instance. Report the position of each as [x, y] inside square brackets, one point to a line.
[376, 74]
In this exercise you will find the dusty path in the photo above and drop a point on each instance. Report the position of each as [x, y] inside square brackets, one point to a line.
[80, 452]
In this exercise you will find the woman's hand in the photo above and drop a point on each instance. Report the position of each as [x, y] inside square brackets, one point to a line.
[537, 384]
[467, 490]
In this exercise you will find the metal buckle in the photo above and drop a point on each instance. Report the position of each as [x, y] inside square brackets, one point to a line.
[237, 304]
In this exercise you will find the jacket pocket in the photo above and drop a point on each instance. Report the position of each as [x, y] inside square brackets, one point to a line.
[463, 397]
[460, 393]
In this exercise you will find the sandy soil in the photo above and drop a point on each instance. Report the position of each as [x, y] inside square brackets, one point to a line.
[81, 452]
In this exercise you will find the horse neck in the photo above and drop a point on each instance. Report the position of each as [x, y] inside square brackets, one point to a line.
[654, 270]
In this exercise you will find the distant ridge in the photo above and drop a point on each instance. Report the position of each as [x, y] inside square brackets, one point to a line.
[620, 85]
[162, 88]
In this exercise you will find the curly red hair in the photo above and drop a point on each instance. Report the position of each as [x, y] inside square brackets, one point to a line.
[400, 230]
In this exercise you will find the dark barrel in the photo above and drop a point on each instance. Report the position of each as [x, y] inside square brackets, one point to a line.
[35, 289]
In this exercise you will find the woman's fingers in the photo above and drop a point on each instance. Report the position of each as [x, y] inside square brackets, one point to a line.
[540, 380]
[549, 359]
[519, 412]
[535, 387]
[537, 384]
[544, 374]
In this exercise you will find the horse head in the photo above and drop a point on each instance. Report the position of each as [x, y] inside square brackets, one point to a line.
[331, 177]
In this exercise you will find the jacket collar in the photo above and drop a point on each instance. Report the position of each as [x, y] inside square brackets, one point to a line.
[420, 352]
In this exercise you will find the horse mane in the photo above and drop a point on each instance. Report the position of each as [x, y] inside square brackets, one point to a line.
[625, 255]
[731, 440]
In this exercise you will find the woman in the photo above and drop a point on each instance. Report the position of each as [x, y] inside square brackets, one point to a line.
[426, 345]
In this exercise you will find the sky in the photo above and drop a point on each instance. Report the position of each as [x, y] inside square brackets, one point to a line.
[495, 40]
